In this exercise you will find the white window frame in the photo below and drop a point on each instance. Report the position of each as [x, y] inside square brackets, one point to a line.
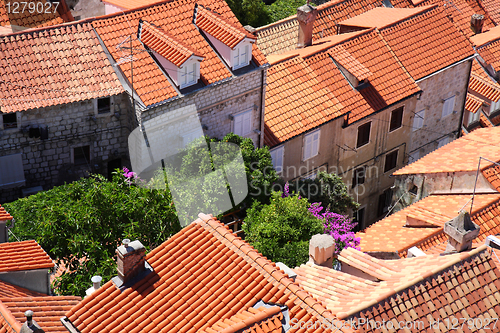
[311, 142]
[188, 74]
[245, 119]
[494, 107]
[277, 155]
[418, 120]
[474, 117]
[12, 174]
[448, 106]
[240, 56]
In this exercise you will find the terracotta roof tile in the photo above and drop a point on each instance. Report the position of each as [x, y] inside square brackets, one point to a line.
[484, 142]
[346, 294]
[492, 7]
[175, 17]
[202, 276]
[54, 66]
[486, 37]
[4, 215]
[48, 311]
[426, 42]
[381, 17]
[465, 288]
[306, 88]
[491, 54]
[20, 256]
[391, 235]
[35, 19]
[473, 103]
[492, 174]
[132, 4]
[481, 86]
[8, 290]
[164, 44]
[220, 28]
[250, 320]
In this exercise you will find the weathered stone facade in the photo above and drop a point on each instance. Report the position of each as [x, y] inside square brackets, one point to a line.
[49, 162]
[436, 89]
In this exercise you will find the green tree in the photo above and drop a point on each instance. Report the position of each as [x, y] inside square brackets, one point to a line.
[250, 12]
[282, 229]
[81, 224]
[282, 9]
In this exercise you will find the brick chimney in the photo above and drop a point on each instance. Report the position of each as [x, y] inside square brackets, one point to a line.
[461, 231]
[476, 23]
[306, 16]
[131, 259]
[321, 249]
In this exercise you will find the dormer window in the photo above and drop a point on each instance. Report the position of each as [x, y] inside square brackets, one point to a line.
[233, 43]
[241, 56]
[355, 73]
[179, 61]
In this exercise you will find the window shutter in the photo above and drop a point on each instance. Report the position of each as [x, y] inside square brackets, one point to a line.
[238, 125]
[315, 143]
[247, 122]
[448, 106]
[307, 147]
[12, 174]
[418, 121]
[277, 157]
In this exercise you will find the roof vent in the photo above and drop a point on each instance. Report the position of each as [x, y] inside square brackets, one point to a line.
[30, 326]
[306, 15]
[96, 284]
[461, 231]
[476, 23]
[291, 274]
[415, 252]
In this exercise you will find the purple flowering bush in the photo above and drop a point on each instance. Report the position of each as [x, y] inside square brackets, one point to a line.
[338, 226]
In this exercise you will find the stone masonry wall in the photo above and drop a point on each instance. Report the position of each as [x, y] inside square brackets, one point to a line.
[49, 162]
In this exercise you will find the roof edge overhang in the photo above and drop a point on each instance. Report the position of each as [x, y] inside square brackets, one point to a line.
[456, 63]
[9, 318]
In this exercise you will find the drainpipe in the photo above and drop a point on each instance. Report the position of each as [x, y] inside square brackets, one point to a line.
[262, 105]
[459, 134]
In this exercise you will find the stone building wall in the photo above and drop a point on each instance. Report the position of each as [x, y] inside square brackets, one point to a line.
[435, 89]
[50, 162]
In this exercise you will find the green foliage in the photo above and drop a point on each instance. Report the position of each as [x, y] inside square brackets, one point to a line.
[82, 223]
[281, 230]
[283, 8]
[250, 12]
[328, 189]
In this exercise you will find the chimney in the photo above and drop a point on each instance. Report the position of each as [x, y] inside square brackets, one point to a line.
[29, 317]
[461, 231]
[30, 326]
[131, 260]
[476, 23]
[321, 249]
[306, 16]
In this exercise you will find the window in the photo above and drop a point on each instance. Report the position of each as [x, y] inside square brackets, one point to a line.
[391, 161]
[359, 218]
[495, 106]
[243, 123]
[418, 121]
[241, 56]
[12, 174]
[474, 117]
[104, 105]
[448, 106]
[396, 119]
[384, 202]
[187, 76]
[442, 142]
[81, 155]
[358, 176]
[311, 145]
[10, 120]
[363, 134]
[277, 157]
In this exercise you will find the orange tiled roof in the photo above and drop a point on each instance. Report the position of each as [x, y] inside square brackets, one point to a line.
[36, 19]
[468, 289]
[165, 45]
[202, 275]
[391, 235]
[380, 17]
[4, 215]
[47, 310]
[479, 85]
[132, 4]
[220, 28]
[308, 81]
[484, 142]
[492, 7]
[8, 290]
[486, 37]
[491, 54]
[252, 320]
[492, 175]
[54, 66]
[176, 17]
[473, 103]
[426, 42]
[20, 256]
[345, 294]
